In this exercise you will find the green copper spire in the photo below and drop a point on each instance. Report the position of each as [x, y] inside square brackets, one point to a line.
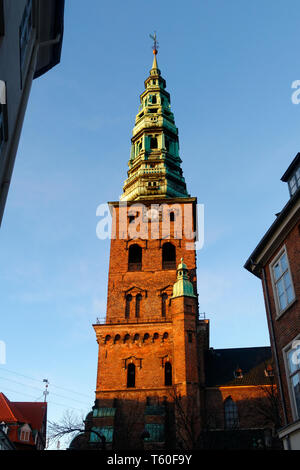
[183, 287]
[154, 165]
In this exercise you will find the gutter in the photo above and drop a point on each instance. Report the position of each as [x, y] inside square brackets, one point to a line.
[273, 340]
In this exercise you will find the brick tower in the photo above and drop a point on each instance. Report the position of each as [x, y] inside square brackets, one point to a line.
[148, 378]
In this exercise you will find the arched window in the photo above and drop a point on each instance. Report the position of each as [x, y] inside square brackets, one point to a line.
[138, 300]
[146, 337]
[136, 337]
[117, 339]
[168, 256]
[172, 216]
[131, 375]
[231, 414]
[127, 306]
[107, 338]
[135, 258]
[164, 304]
[126, 338]
[168, 373]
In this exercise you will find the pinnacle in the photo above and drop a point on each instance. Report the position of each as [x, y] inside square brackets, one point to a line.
[154, 65]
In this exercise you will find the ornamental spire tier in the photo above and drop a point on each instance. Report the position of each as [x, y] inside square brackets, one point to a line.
[154, 165]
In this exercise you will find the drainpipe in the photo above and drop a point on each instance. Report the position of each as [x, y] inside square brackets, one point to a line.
[268, 308]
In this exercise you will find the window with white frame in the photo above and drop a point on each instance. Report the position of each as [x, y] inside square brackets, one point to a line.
[282, 282]
[293, 370]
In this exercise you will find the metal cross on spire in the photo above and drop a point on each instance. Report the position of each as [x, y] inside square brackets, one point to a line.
[155, 42]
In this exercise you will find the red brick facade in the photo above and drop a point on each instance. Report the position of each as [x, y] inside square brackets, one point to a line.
[286, 326]
[160, 330]
[281, 287]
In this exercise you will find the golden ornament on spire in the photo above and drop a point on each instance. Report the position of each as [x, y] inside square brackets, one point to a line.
[155, 43]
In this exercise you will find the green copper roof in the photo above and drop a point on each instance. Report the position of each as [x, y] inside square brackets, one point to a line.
[154, 165]
[183, 287]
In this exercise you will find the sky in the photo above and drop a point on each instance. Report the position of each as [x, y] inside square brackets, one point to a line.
[229, 67]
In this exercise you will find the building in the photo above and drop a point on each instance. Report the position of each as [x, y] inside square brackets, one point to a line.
[241, 401]
[25, 423]
[31, 33]
[275, 261]
[147, 346]
[160, 386]
[5, 443]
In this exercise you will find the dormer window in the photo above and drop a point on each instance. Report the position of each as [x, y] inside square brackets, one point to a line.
[238, 373]
[25, 433]
[292, 175]
[294, 181]
[269, 371]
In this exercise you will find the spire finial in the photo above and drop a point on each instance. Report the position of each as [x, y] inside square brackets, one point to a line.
[155, 43]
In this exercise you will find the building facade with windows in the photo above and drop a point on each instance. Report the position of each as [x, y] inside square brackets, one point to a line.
[31, 33]
[155, 388]
[276, 261]
[23, 423]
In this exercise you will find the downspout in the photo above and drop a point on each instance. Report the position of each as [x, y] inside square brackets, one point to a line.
[268, 308]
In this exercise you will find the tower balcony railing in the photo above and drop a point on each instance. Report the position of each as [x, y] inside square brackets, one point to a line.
[117, 321]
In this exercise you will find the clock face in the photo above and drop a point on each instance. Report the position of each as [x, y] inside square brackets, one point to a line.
[153, 214]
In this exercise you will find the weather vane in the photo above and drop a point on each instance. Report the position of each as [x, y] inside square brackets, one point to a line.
[155, 42]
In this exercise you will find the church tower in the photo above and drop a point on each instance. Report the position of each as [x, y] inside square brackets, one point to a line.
[148, 361]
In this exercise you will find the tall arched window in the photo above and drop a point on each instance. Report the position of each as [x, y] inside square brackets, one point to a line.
[164, 304]
[135, 258]
[168, 373]
[231, 414]
[168, 256]
[153, 142]
[127, 306]
[172, 216]
[131, 375]
[138, 300]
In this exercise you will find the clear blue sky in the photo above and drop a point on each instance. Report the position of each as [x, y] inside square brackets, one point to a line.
[229, 67]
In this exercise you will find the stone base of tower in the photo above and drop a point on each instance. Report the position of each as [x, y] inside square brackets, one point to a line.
[160, 419]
